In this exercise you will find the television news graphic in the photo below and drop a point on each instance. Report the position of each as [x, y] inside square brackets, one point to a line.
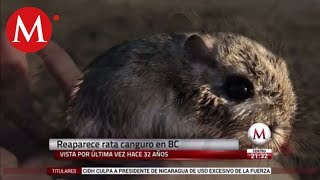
[259, 134]
[259, 153]
[149, 149]
[159, 170]
[29, 29]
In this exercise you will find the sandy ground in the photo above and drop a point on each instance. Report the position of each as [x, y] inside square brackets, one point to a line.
[290, 28]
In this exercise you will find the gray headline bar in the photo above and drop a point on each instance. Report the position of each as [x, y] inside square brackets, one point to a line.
[143, 144]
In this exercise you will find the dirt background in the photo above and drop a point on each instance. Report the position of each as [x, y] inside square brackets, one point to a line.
[290, 28]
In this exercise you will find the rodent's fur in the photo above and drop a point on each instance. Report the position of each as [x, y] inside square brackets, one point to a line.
[172, 86]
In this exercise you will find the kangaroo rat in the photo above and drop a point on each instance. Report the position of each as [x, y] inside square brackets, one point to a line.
[184, 86]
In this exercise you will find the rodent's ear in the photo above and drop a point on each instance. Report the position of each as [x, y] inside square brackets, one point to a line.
[196, 49]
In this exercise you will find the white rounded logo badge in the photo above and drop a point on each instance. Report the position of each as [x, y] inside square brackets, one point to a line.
[259, 134]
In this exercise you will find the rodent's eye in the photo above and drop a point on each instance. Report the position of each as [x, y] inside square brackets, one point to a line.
[238, 88]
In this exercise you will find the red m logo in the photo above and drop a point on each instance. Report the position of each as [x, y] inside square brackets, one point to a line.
[20, 25]
[259, 135]
[29, 29]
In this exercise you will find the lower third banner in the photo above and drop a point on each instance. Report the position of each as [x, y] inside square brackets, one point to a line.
[157, 170]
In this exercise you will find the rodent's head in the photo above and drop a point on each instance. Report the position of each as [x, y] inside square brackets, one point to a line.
[238, 83]
[220, 86]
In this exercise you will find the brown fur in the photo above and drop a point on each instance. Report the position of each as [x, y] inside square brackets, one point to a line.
[148, 88]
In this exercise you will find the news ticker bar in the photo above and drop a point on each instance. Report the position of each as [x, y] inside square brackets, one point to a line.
[159, 171]
[163, 154]
[143, 144]
[71, 170]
